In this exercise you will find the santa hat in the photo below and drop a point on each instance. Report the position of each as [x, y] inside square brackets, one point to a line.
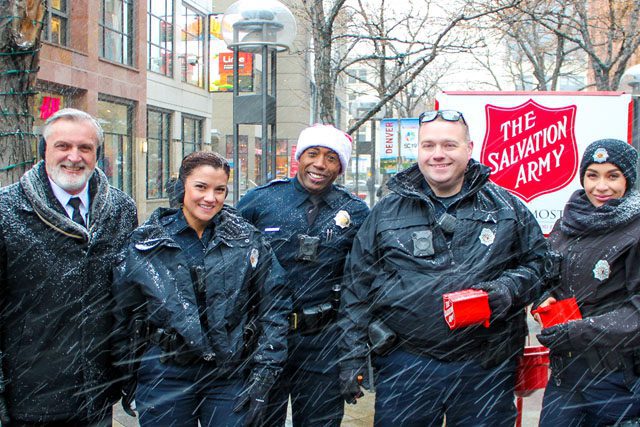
[327, 136]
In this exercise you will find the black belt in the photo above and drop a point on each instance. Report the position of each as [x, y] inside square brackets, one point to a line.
[175, 349]
[313, 319]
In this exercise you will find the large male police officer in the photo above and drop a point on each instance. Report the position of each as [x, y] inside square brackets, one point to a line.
[311, 224]
[443, 228]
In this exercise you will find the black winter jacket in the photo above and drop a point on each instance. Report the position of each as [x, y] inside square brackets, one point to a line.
[154, 280]
[495, 238]
[55, 283]
[601, 267]
[279, 209]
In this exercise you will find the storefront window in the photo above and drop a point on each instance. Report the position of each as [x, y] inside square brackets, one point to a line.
[116, 157]
[191, 134]
[158, 141]
[282, 158]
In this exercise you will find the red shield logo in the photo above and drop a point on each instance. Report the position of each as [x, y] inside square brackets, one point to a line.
[531, 149]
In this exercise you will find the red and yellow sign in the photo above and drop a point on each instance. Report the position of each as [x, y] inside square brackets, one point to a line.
[531, 149]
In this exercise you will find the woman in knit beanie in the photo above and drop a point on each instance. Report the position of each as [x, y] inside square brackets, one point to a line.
[595, 361]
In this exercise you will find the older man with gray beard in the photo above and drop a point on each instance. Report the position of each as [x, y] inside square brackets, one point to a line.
[61, 228]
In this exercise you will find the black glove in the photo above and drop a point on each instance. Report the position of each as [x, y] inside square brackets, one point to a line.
[556, 338]
[256, 395]
[4, 412]
[128, 394]
[350, 382]
[500, 298]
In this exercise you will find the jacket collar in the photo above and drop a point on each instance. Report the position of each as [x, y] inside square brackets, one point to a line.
[331, 197]
[35, 184]
[410, 182]
[163, 222]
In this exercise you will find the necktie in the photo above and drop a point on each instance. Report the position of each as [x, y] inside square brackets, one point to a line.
[77, 216]
[312, 213]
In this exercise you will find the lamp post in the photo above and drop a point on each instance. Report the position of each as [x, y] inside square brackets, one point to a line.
[265, 27]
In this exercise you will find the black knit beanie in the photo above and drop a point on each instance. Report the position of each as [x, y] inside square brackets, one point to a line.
[613, 151]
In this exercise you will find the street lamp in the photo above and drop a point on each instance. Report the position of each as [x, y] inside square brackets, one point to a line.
[265, 27]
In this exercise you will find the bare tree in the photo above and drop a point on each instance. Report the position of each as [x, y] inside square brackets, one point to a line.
[606, 31]
[391, 41]
[345, 34]
[521, 54]
[20, 27]
[548, 54]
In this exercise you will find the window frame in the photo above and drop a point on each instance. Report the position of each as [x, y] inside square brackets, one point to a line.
[64, 16]
[168, 50]
[164, 148]
[127, 156]
[197, 145]
[183, 39]
[126, 35]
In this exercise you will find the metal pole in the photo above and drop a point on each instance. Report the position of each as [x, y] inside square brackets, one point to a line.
[274, 150]
[357, 139]
[264, 138]
[372, 186]
[236, 128]
[399, 133]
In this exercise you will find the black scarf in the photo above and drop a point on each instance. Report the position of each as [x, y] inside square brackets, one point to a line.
[581, 217]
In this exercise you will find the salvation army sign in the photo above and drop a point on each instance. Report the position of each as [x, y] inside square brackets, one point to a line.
[533, 141]
[531, 149]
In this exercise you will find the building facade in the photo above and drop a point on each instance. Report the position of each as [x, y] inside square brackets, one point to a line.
[93, 58]
[141, 68]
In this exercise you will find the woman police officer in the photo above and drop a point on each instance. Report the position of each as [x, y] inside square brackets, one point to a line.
[192, 283]
[594, 361]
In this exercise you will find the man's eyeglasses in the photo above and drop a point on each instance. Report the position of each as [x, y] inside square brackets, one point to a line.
[448, 115]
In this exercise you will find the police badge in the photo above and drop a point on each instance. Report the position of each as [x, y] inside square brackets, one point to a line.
[487, 237]
[601, 270]
[253, 257]
[342, 219]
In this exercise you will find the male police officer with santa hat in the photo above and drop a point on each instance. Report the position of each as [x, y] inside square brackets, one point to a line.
[311, 224]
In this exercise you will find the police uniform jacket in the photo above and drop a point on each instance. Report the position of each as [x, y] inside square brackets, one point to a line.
[240, 278]
[600, 267]
[55, 284]
[279, 209]
[402, 263]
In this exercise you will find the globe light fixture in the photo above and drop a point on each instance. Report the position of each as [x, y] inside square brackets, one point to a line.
[263, 27]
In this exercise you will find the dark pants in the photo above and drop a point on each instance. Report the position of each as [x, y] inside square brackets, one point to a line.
[66, 423]
[586, 399]
[173, 395]
[102, 418]
[310, 377]
[416, 390]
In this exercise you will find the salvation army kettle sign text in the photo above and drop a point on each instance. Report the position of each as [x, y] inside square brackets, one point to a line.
[531, 149]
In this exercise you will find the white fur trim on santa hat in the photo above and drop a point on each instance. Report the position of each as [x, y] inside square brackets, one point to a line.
[320, 135]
